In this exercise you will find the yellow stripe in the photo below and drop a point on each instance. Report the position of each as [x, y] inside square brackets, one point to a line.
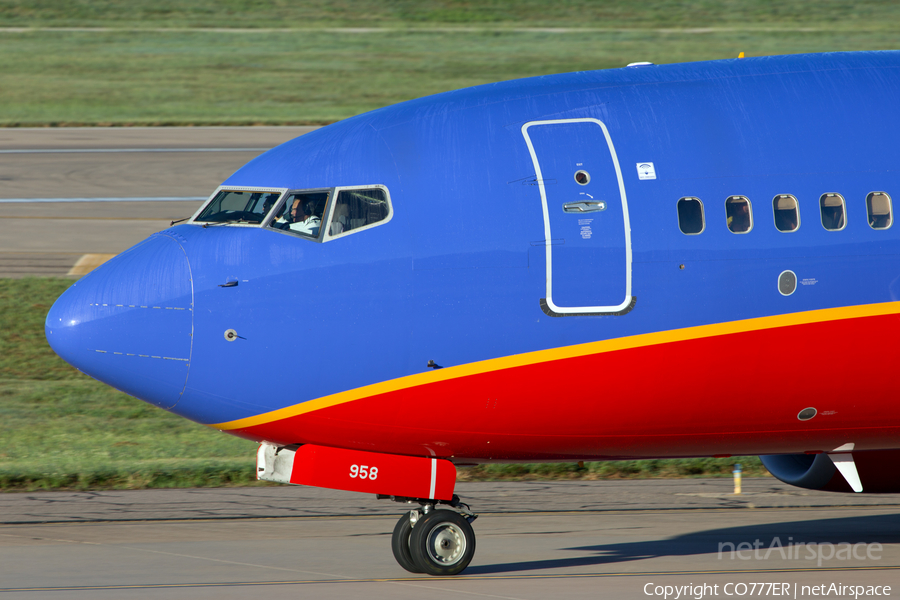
[590, 348]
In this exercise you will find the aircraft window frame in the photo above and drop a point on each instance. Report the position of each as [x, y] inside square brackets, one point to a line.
[332, 205]
[822, 207]
[702, 215]
[890, 210]
[194, 219]
[734, 200]
[290, 194]
[776, 210]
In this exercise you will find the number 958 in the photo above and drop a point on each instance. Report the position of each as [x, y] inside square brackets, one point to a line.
[364, 472]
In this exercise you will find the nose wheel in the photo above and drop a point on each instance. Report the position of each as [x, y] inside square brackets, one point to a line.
[442, 542]
[434, 541]
[400, 542]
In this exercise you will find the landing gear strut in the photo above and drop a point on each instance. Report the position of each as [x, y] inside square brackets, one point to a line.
[432, 540]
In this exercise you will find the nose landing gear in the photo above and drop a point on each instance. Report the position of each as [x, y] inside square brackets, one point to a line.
[400, 542]
[434, 541]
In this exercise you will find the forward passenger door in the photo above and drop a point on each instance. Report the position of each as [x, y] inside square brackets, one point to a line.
[585, 210]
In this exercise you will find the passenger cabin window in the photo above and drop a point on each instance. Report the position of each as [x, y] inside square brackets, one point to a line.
[739, 214]
[878, 205]
[357, 208]
[833, 212]
[302, 213]
[239, 207]
[690, 216]
[787, 213]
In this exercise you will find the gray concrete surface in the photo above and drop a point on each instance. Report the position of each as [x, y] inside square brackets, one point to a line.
[182, 162]
[535, 540]
[485, 497]
[171, 161]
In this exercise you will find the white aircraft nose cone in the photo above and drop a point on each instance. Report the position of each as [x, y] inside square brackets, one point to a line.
[129, 322]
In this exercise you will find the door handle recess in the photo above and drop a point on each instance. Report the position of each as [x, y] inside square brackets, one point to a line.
[584, 206]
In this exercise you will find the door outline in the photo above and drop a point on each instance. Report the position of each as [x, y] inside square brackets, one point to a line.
[626, 305]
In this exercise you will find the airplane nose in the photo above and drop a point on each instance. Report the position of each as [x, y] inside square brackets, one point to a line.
[129, 322]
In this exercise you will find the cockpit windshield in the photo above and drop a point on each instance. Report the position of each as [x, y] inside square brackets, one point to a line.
[319, 214]
[237, 206]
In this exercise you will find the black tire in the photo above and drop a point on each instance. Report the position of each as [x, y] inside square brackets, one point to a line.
[442, 543]
[400, 544]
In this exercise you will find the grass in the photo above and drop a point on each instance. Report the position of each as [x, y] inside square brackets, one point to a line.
[673, 468]
[63, 430]
[24, 353]
[842, 14]
[184, 76]
[81, 434]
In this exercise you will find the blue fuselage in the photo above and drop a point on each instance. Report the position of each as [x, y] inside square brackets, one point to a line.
[458, 274]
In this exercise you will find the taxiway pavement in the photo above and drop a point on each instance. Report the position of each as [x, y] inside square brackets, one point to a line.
[607, 539]
[41, 237]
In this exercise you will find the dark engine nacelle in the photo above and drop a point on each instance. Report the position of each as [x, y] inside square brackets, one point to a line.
[879, 471]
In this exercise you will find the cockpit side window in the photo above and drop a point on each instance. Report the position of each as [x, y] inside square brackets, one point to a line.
[358, 208]
[238, 206]
[302, 213]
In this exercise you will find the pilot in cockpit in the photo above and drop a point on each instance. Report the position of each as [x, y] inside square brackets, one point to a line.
[302, 219]
[299, 218]
[298, 214]
[269, 203]
[284, 219]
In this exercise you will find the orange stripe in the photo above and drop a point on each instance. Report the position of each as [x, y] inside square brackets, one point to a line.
[578, 350]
